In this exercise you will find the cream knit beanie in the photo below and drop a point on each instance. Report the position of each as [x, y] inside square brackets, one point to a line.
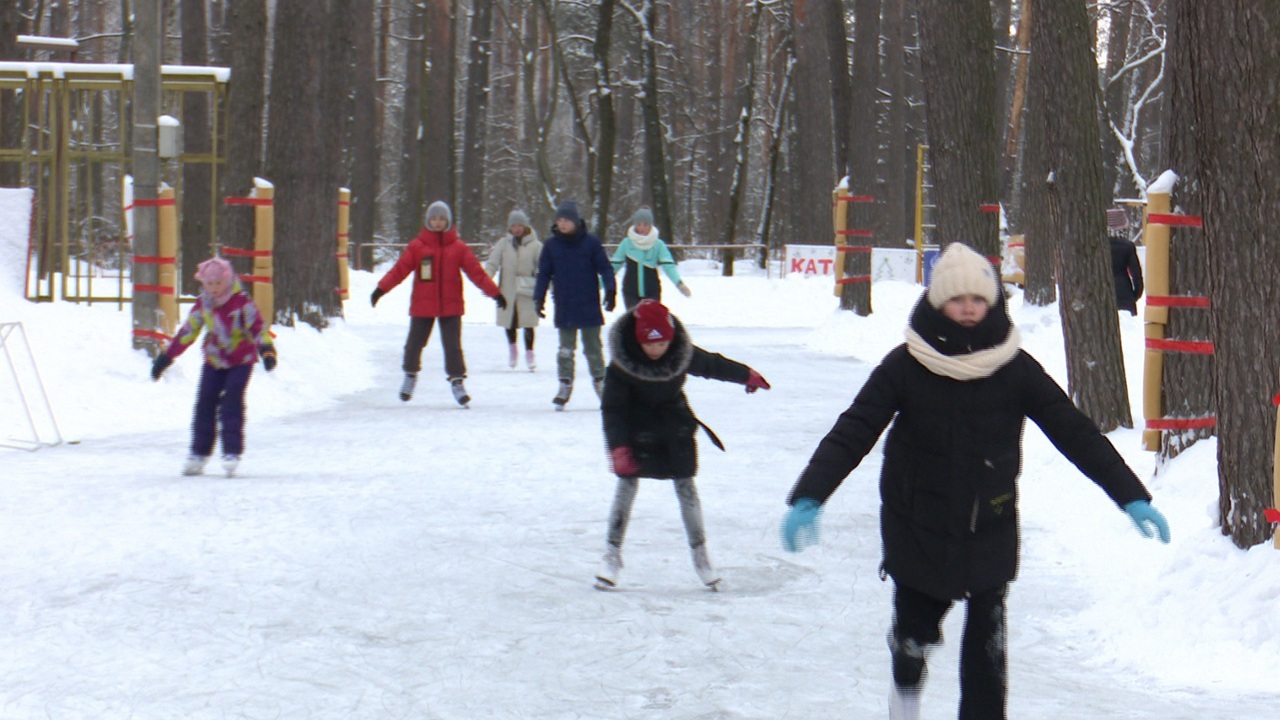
[961, 271]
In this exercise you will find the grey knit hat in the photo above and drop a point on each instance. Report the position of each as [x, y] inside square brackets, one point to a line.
[569, 211]
[643, 215]
[439, 207]
[517, 217]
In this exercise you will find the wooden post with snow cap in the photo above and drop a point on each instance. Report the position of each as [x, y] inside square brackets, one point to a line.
[1156, 238]
[344, 243]
[167, 249]
[264, 239]
[839, 196]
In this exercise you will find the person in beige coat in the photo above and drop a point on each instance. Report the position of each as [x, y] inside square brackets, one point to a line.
[513, 260]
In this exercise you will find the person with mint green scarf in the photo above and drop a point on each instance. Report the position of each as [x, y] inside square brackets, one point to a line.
[642, 252]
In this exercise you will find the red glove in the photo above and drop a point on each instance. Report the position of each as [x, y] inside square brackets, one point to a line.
[755, 381]
[624, 463]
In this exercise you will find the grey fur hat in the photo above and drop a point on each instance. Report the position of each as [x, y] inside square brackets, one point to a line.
[439, 207]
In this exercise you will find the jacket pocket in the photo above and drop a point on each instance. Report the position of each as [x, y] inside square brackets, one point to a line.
[525, 285]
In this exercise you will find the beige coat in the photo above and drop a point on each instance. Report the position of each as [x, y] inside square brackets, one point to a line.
[516, 270]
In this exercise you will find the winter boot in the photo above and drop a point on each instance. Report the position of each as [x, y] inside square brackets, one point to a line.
[529, 360]
[194, 465]
[707, 574]
[562, 395]
[459, 392]
[598, 384]
[512, 355]
[610, 568]
[406, 387]
[229, 463]
[904, 703]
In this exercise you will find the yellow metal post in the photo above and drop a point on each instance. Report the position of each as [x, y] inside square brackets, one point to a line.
[344, 242]
[1156, 238]
[167, 275]
[919, 229]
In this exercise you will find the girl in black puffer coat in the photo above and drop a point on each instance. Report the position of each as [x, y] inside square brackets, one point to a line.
[648, 427]
[958, 393]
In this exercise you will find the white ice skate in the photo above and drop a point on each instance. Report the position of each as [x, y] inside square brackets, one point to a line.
[459, 392]
[904, 704]
[562, 395]
[610, 568]
[706, 573]
[406, 387]
[530, 361]
[599, 387]
[194, 465]
[229, 464]
[512, 355]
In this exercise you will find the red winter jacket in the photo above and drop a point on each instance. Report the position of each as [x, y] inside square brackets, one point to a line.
[437, 260]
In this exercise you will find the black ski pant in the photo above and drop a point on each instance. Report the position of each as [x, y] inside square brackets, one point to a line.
[917, 620]
[455, 365]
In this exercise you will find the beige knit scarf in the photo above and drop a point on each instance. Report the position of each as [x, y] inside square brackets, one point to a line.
[970, 366]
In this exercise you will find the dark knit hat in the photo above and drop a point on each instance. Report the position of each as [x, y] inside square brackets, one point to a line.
[568, 210]
[1116, 219]
[653, 322]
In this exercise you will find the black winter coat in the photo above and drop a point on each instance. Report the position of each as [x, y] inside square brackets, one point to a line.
[644, 406]
[948, 486]
[1126, 271]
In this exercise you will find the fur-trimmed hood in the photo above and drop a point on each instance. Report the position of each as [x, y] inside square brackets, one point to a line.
[625, 351]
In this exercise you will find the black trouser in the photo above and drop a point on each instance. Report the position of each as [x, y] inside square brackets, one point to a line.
[917, 620]
[528, 337]
[455, 366]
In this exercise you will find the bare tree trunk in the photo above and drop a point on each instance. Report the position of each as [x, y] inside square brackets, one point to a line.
[1010, 182]
[476, 121]
[197, 178]
[301, 152]
[607, 133]
[845, 79]
[438, 145]
[743, 137]
[960, 85]
[1114, 96]
[247, 43]
[1235, 103]
[414, 131]
[12, 24]
[1065, 74]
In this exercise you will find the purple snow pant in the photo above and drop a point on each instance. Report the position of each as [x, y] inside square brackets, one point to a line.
[220, 399]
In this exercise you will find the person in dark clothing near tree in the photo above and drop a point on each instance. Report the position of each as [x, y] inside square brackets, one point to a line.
[1125, 268]
[649, 429]
[574, 267]
[958, 393]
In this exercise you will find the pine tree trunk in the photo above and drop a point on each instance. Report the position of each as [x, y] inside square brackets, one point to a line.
[864, 149]
[301, 152]
[1066, 76]
[607, 128]
[475, 158]
[197, 178]
[655, 149]
[1235, 103]
[246, 30]
[957, 51]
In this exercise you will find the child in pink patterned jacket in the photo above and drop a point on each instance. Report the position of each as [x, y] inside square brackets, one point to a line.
[234, 340]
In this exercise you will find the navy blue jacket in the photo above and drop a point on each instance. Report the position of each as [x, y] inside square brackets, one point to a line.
[574, 266]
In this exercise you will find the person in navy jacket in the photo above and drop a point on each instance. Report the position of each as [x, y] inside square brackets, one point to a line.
[574, 266]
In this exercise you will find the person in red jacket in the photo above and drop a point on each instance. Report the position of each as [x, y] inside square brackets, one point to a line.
[437, 258]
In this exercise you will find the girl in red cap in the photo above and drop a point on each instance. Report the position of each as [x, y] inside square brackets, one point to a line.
[648, 426]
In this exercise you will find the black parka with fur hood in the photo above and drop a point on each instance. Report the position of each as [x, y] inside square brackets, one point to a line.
[644, 406]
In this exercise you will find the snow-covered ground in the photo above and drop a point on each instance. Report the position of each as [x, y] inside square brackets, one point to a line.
[379, 559]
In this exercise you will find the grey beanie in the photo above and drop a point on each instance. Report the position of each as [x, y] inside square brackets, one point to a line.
[643, 215]
[517, 217]
[439, 207]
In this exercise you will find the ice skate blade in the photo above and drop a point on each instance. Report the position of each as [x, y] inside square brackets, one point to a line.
[605, 585]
